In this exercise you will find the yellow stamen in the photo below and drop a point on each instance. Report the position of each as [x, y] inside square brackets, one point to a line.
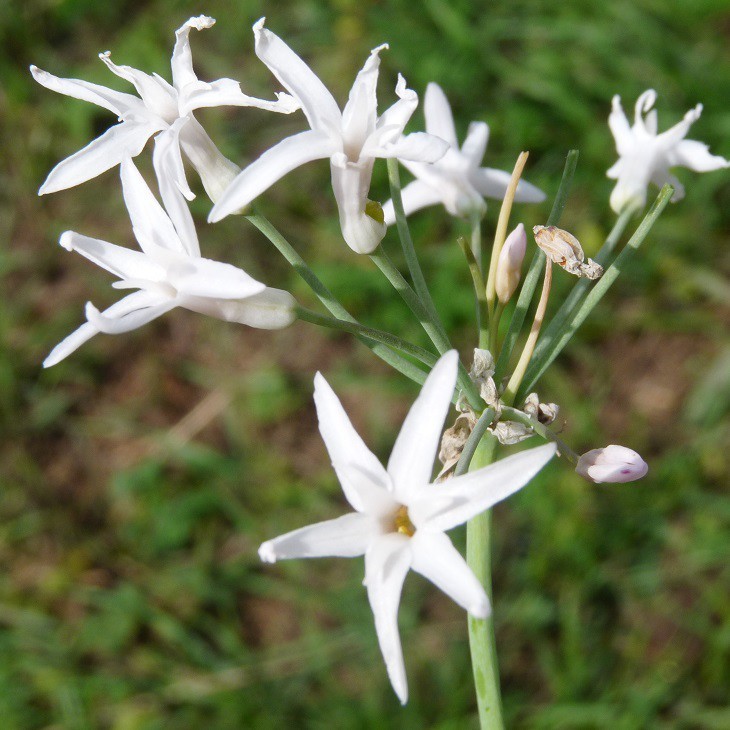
[403, 522]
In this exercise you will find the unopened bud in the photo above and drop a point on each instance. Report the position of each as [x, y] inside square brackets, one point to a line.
[509, 264]
[612, 464]
[564, 249]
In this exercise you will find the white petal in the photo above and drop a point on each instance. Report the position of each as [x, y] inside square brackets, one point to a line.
[435, 558]
[440, 507]
[345, 537]
[386, 564]
[318, 105]
[152, 226]
[492, 183]
[167, 159]
[216, 171]
[227, 92]
[475, 144]
[619, 126]
[351, 185]
[158, 96]
[201, 277]
[669, 139]
[411, 461]
[118, 324]
[396, 116]
[416, 195]
[364, 481]
[696, 156]
[437, 111]
[70, 344]
[182, 59]
[116, 102]
[276, 162]
[120, 261]
[417, 147]
[87, 330]
[272, 309]
[360, 113]
[643, 104]
[173, 185]
[105, 152]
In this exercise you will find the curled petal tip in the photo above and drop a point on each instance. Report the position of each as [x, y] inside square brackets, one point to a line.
[66, 240]
[267, 553]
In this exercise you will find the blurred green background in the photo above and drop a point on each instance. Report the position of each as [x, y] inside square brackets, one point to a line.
[138, 477]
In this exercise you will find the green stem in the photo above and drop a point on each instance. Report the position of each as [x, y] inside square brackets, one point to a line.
[404, 233]
[404, 366]
[479, 291]
[389, 269]
[533, 275]
[521, 367]
[481, 631]
[562, 316]
[476, 240]
[538, 367]
[513, 414]
[475, 437]
[426, 357]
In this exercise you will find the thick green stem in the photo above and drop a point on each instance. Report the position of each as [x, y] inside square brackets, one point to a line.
[533, 275]
[404, 366]
[481, 631]
[538, 367]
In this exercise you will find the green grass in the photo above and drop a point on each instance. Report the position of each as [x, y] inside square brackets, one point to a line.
[131, 595]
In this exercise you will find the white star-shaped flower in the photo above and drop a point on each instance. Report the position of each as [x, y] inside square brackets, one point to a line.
[456, 180]
[352, 139]
[400, 518]
[645, 156]
[168, 272]
[163, 108]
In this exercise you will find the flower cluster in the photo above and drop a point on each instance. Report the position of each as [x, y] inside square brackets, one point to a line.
[400, 516]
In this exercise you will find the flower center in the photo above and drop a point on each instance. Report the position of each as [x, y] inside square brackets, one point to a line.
[402, 522]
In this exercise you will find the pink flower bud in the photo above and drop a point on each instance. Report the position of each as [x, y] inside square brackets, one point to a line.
[612, 464]
[509, 264]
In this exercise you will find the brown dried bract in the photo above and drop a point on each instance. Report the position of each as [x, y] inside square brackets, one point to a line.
[564, 249]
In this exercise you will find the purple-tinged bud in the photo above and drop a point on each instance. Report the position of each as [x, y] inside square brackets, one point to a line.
[509, 264]
[612, 464]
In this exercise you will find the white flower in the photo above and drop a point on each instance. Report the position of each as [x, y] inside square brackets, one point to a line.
[168, 272]
[162, 108]
[456, 180]
[645, 156]
[612, 464]
[352, 139]
[400, 518]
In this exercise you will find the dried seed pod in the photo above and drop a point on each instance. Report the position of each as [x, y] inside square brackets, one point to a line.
[564, 249]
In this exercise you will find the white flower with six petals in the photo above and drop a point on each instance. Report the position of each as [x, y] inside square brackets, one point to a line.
[169, 272]
[400, 518]
[645, 156]
[352, 139]
[163, 108]
[456, 180]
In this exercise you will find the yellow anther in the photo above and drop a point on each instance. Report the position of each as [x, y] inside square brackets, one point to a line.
[403, 523]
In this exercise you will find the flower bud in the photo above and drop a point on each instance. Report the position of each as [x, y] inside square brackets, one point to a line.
[612, 464]
[564, 249]
[509, 264]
